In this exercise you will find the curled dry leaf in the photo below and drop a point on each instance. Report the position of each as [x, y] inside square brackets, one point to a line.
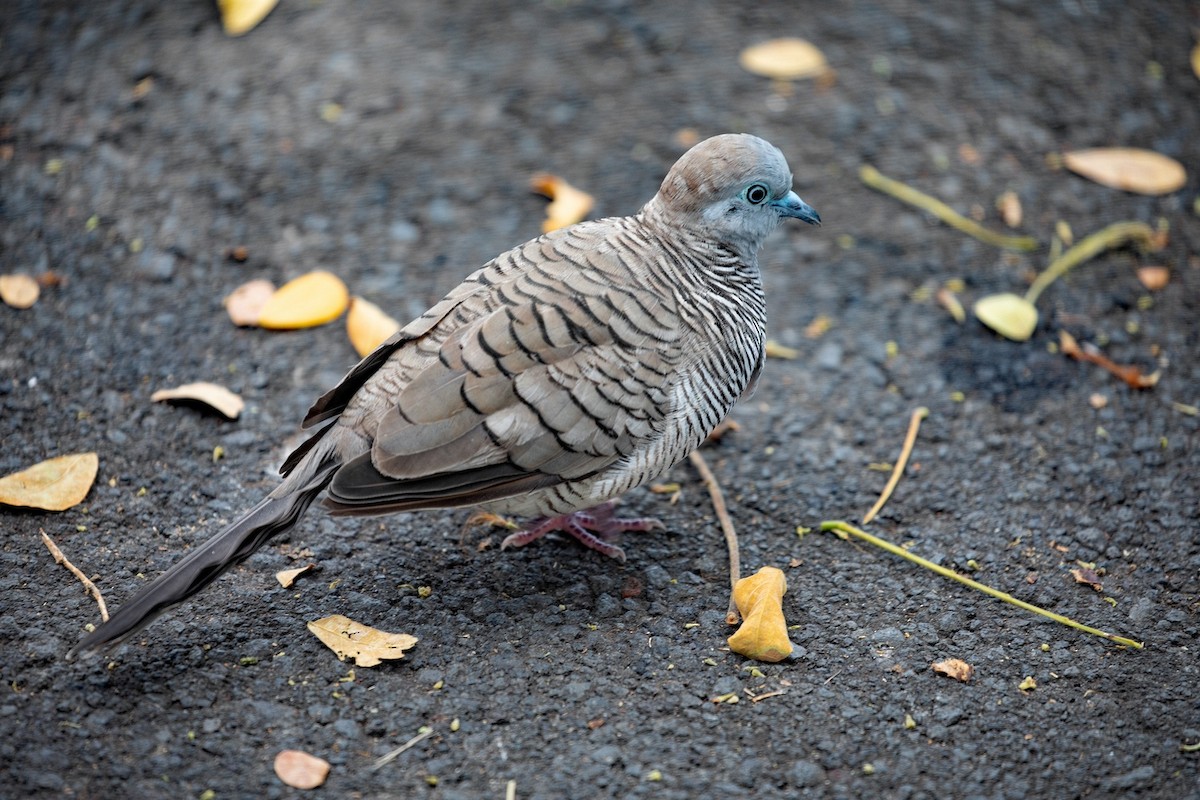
[1154, 278]
[366, 645]
[1130, 373]
[215, 397]
[1129, 169]
[954, 668]
[301, 770]
[19, 290]
[310, 300]
[367, 326]
[1009, 315]
[568, 205]
[763, 635]
[287, 577]
[245, 303]
[53, 485]
[242, 16]
[786, 59]
[1087, 576]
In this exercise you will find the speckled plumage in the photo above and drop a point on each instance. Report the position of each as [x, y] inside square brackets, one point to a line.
[561, 374]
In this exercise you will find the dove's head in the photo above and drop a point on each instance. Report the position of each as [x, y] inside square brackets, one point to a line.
[735, 188]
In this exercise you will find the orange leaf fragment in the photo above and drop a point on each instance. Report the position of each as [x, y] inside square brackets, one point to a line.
[19, 290]
[287, 577]
[763, 635]
[53, 485]
[215, 397]
[1130, 373]
[245, 303]
[568, 205]
[366, 645]
[310, 300]
[1154, 278]
[301, 770]
[787, 59]
[954, 668]
[1129, 169]
[242, 16]
[367, 326]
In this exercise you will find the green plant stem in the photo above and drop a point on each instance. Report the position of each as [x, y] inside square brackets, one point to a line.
[901, 191]
[1089, 247]
[843, 528]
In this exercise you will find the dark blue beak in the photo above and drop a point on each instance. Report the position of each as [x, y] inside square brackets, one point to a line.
[790, 205]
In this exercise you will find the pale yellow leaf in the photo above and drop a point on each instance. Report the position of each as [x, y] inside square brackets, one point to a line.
[215, 397]
[763, 635]
[773, 349]
[568, 205]
[241, 16]
[245, 303]
[19, 290]
[784, 59]
[310, 300]
[1007, 314]
[53, 485]
[287, 577]
[1028, 684]
[367, 326]
[1129, 169]
[301, 770]
[954, 668]
[366, 645]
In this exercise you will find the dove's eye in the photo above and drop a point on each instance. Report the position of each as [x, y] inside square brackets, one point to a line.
[757, 194]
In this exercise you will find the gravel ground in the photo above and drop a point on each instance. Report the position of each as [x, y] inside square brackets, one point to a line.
[138, 145]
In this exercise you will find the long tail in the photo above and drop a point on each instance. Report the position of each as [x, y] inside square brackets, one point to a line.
[205, 563]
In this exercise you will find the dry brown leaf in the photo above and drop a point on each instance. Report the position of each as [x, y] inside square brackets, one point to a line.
[954, 668]
[287, 577]
[301, 770]
[19, 290]
[763, 635]
[242, 16]
[786, 59]
[1009, 206]
[245, 303]
[367, 326]
[1130, 373]
[1129, 169]
[215, 397]
[310, 300]
[1087, 576]
[366, 645]
[53, 485]
[568, 205]
[1154, 278]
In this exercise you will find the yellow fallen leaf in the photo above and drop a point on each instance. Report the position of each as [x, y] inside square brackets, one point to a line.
[763, 635]
[310, 300]
[287, 577]
[241, 16]
[568, 205]
[954, 668]
[367, 326]
[1009, 315]
[1028, 684]
[210, 394]
[53, 485]
[784, 59]
[366, 645]
[245, 303]
[19, 290]
[1129, 169]
[301, 770]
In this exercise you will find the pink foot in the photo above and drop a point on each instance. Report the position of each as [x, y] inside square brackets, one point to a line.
[595, 527]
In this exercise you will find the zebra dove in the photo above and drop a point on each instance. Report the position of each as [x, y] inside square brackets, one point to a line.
[561, 374]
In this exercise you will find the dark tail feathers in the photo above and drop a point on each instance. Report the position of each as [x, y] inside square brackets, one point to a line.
[205, 563]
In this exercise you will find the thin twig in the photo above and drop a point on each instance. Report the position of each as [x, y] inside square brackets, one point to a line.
[914, 425]
[389, 757]
[843, 528]
[91, 587]
[901, 191]
[1093, 245]
[731, 542]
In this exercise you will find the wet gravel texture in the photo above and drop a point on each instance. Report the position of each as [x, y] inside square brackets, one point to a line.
[567, 673]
